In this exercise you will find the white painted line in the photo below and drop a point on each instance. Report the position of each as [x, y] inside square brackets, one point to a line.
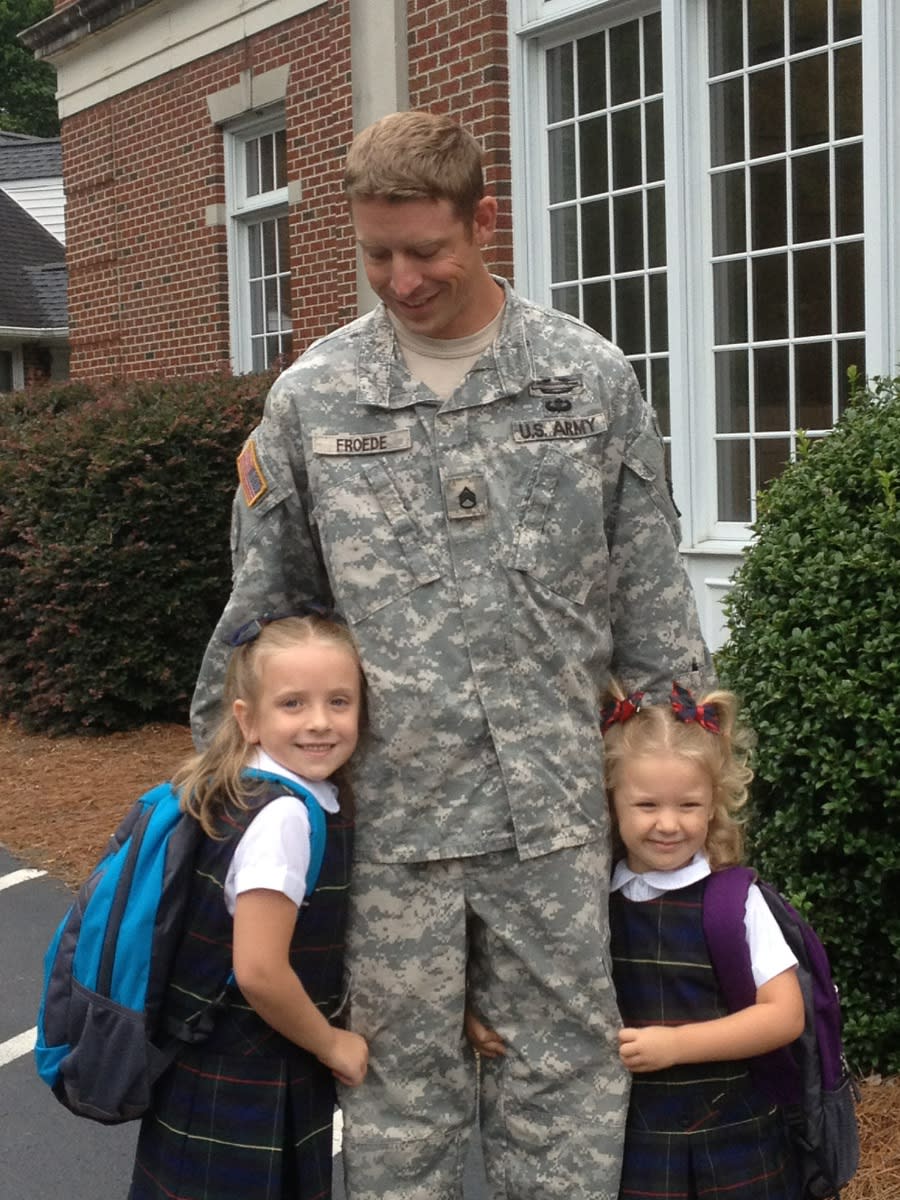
[338, 1132]
[17, 1047]
[14, 877]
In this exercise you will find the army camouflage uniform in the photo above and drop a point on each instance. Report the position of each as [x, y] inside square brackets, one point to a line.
[497, 555]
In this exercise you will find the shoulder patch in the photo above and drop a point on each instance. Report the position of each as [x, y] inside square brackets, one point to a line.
[253, 482]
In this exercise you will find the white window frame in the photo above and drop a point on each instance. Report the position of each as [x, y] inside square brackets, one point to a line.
[242, 211]
[537, 24]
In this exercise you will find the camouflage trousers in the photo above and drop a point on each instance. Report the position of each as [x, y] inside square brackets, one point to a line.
[528, 942]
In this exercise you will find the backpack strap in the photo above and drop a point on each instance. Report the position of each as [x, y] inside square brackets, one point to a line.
[315, 813]
[724, 906]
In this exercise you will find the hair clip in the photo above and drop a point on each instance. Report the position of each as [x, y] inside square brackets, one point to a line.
[687, 709]
[614, 712]
[251, 630]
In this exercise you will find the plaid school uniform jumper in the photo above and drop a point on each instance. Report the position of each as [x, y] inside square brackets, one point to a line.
[700, 1131]
[246, 1114]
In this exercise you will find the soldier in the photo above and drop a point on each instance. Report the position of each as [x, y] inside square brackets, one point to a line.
[478, 486]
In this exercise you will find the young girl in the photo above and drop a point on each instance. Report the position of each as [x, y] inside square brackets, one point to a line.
[697, 1127]
[247, 1113]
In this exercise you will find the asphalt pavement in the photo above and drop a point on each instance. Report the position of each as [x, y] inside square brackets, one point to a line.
[45, 1151]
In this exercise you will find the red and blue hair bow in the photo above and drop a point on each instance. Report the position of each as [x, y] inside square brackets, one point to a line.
[687, 709]
[616, 711]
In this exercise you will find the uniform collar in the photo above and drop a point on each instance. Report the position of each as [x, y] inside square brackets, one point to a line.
[650, 884]
[505, 369]
[323, 789]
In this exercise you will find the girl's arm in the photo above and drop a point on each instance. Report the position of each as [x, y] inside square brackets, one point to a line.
[264, 924]
[776, 1019]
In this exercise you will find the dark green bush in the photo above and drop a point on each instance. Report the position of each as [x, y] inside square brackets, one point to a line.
[814, 652]
[114, 558]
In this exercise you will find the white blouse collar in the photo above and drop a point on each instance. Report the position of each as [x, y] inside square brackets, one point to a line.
[650, 884]
[323, 789]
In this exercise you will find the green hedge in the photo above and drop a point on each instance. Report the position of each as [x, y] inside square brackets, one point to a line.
[814, 651]
[114, 546]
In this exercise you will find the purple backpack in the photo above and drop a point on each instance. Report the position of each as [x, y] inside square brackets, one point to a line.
[809, 1079]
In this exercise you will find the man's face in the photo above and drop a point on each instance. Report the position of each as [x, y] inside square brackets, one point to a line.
[426, 265]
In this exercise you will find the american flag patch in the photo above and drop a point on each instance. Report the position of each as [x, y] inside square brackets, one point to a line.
[253, 482]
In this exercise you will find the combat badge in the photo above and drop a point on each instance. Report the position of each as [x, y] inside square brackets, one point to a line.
[556, 391]
[253, 482]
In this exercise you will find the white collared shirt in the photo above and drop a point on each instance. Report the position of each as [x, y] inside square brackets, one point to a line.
[273, 852]
[769, 952]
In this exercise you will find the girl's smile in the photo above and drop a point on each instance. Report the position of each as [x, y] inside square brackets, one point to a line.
[306, 715]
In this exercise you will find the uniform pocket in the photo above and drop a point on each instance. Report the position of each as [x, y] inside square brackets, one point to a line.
[560, 540]
[373, 548]
[645, 457]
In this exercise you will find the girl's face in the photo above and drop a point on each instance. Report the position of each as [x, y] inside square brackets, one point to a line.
[663, 805]
[307, 711]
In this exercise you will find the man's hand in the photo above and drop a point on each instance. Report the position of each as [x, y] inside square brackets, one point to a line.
[486, 1042]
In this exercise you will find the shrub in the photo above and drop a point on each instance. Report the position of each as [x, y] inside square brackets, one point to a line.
[814, 651]
[114, 558]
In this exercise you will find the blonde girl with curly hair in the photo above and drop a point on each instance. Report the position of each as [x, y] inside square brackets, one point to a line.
[677, 777]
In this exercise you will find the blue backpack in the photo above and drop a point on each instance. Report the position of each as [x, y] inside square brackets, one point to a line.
[101, 1044]
[810, 1079]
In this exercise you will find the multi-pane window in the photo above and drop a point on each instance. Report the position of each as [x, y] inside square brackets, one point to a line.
[773, 123]
[606, 191]
[259, 249]
[786, 204]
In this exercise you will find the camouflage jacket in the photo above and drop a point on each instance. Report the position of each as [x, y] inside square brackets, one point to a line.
[496, 555]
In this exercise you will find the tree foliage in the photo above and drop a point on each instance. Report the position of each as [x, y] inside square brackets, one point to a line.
[814, 651]
[27, 87]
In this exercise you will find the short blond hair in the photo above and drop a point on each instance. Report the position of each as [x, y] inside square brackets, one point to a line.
[416, 155]
[724, 756]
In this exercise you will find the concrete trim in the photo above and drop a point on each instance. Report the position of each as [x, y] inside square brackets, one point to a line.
[252, 92]
[379, 65]
[102, 48]
[74, 22]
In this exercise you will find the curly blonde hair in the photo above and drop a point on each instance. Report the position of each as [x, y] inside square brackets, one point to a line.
[724, 756]
[211, 781]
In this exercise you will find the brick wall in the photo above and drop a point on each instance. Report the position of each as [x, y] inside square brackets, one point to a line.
[148, 283]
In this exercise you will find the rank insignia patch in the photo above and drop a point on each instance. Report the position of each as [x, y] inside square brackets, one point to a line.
[253, 482]
[465, 496]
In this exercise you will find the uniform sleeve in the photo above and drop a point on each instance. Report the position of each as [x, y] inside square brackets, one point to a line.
[655, 624]
[769, 952]
[273, 853]
[276, 560]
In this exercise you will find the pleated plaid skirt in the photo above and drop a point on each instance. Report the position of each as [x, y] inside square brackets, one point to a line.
[696, 1147]
[245, 1116]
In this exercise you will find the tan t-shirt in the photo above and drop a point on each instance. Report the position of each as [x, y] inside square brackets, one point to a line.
[442, 363]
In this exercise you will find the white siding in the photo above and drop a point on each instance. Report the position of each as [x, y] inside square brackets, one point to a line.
[43, 199]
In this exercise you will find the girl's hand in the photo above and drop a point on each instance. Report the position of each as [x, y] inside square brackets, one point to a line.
[652, 1048]
[486, 1042]
[774, 1020]
[348, 1058]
